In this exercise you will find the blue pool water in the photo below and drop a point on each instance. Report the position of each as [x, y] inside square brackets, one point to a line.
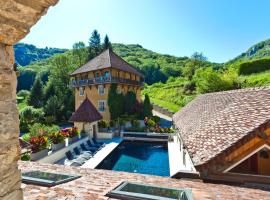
[138, 157]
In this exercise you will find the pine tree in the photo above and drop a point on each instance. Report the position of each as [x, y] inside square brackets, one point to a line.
[107, 44]
[36, 94]
[94, 45]
[147, 107]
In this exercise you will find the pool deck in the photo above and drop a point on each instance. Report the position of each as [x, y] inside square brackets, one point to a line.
[102, 154]
[174, 157]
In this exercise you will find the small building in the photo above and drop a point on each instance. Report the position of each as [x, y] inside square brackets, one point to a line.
[86, 118]
[225, 136]
[93, 80]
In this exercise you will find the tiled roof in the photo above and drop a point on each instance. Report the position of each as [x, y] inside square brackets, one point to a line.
[214, 122]
[94, 184]
[86, 113]
[107, 59]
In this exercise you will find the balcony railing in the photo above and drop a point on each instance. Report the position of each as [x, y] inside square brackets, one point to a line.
[103, 80]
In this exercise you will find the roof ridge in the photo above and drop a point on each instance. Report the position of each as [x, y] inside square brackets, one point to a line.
[259, 88]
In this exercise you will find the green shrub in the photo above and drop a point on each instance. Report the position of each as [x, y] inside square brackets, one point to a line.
[156, 119]
[25, 157]
[26, 137]
[103, 124]
[254, 66]
[135, 123]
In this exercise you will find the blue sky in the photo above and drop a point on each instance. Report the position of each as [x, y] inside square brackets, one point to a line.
[219, 29]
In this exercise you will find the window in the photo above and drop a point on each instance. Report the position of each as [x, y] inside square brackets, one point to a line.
[128, 190]
[101, 90]
[107, 74]
[47, 179]
[81, 91]
[101, 106]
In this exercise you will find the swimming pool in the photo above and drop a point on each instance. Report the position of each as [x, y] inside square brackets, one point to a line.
[139, 157]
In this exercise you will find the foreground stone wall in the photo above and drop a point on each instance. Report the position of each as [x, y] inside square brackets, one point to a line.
[16, 19]
[9, 128]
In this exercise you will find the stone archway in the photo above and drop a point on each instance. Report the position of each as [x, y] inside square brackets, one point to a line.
[16, 19]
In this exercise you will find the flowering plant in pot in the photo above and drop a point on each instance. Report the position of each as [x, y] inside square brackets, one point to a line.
[72, 134]
[57, 140]
[39, 147]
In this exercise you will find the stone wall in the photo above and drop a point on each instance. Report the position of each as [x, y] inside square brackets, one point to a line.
[9, 128]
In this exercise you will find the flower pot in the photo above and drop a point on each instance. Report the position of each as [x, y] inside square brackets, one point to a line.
[38, 155]
[56, 147]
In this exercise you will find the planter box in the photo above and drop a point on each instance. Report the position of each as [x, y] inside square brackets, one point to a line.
[73, 139]
[56, 147]
[39, 155]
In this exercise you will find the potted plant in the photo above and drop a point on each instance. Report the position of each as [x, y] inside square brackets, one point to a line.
[39, 147]
[57, 140]
[72, 134]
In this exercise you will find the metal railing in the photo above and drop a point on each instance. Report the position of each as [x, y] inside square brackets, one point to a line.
[103, 80]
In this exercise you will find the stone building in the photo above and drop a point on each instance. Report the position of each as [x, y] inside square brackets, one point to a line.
[226, 135]
[93, 80]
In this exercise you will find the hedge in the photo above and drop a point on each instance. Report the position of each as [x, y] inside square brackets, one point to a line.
[254, 66]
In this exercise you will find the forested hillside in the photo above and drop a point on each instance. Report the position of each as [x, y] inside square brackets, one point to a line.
[27, 53]
[171, 81]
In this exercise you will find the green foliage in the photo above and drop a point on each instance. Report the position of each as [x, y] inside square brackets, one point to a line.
[27, 53]
[130, 101]
[95, 47]
[106, 44]
[208, 80]
[135, 123]
[199, 56]
[36, 94]
[41, 129]
[30, 115]
[147, 106]
[23, 93]
[103, 124]
[116, 102]
[260, 79]
[80, 53]
[25, 156]
[254, 66]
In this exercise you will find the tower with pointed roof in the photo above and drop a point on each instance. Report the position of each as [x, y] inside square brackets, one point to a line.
[93, 81]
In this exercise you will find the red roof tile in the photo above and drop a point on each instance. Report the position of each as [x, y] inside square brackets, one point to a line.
[214, 122]
[86, 112]
[94, 184]
[107, 59]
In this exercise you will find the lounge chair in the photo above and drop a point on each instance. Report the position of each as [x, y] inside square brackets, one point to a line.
[98, 143]
[86, 155]
[87, 149]
[73, 160]
[90, 145]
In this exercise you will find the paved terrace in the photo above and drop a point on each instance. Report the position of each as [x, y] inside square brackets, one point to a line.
[94, 184]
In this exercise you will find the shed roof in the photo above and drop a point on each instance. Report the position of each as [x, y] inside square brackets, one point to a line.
[107, 59]
[214, 122]
[86, 112]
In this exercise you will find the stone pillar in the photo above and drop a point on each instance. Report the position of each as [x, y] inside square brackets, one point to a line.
[10, 176]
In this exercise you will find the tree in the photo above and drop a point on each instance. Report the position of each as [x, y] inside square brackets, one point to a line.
[130, 101]
[29, 116]
[79, 53]
[94, 45]
[115, 102]
[49, 91]
[147, 107]
[198, 56]
[208, 80]
[36, 94]
[107, 44]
